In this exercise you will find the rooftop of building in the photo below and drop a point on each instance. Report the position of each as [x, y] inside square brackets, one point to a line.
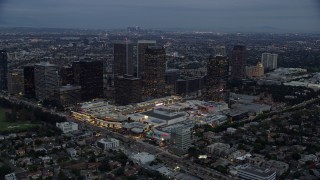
[46, 64]
[164, 115]
[155, 47]
[146, 41]
[108, 140]
[168, 128]
[143, 157]
[69, 88]
[128, 77]
[123, 42]
[172, 70]
[256, 170]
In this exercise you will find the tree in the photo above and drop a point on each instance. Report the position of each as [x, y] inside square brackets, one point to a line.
[104, 166]
[296, 175]
[4, 170]
[132, 178]
[76, 172]
[221, 169]
[120, 171]
[61, 175]
[193, 152]
[92, 159]
[296, 156]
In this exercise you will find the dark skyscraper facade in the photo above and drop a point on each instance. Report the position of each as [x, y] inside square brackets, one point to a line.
[3, 70]
[15, 81]
[66, 75]
[89, 75]
[142, 45]
[46, 78]
[128, 90]
[29, 84]
[123, 58]
[154, 72]
[238, 63]
[217, 77]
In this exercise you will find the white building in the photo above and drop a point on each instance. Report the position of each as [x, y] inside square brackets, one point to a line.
[231, 130]
[11, 176]
[252, 172]
[67, 127]
[72, 152]
[108, 143]
[238, 155]
[143, 158]
[269, 61]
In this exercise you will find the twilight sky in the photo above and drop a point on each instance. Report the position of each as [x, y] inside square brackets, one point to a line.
[216, 15]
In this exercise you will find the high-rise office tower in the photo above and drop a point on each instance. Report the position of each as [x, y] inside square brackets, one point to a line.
[154, 72]
[217, 77]
[123, 58]
[29, 83]
[3, 69]
[269, 61]
[128, 90]
[66, 75]
[238, 63]
[220, 51]
[68, 95]
[89, 75]
[46, 79]
[170, 78]
[142, 45]
[15, 81]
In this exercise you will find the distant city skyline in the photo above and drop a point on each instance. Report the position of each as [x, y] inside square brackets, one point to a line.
[208, 15]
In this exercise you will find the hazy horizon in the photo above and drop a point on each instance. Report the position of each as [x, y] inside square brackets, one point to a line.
[285, 16]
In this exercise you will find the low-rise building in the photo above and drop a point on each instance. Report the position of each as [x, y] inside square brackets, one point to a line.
[256, 160]
[231, 130]
[108, 143]
[277, 166]
[143, 158]
[240, 154]
[218, 148]
[309, 157]
[72, 152]
[252, 172]
[67, 127]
